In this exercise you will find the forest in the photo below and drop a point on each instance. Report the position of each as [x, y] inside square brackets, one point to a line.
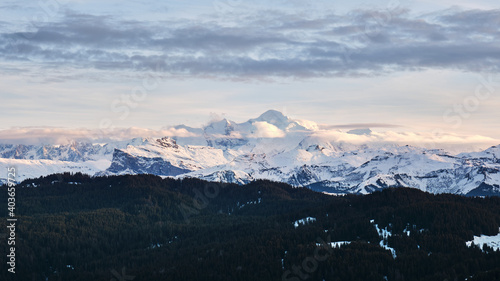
[144, 227]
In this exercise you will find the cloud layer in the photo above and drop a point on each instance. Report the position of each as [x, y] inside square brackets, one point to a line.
[62, 136]
[267, 44]
[454, 143]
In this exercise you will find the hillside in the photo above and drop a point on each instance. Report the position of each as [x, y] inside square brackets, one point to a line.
[76, 227]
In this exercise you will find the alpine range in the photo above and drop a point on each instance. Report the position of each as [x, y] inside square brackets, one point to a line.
[272, 147]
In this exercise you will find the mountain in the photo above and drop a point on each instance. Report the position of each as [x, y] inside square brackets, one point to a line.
[143, 228]
[274, 147]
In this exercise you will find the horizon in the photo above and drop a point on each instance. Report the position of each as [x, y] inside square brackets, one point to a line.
[266, 126]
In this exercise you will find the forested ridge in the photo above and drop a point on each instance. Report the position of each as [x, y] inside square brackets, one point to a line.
[143, 227]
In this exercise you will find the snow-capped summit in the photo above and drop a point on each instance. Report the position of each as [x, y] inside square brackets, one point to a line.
[285, 123]
[270, 124]
[222, 127]
[273, 117]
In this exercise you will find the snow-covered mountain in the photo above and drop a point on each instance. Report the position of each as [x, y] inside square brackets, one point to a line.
[272, 147]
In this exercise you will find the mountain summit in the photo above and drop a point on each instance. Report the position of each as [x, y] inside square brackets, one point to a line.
[275, 118]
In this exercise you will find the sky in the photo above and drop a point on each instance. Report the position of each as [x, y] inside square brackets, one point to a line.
[406, 66]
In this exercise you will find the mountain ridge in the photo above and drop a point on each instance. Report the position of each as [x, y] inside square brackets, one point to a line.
[274, 147]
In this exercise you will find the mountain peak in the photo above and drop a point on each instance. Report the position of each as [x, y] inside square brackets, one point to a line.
[274, 117]
[494, 150]
[224, 127]
[272, 114]
[167, 142]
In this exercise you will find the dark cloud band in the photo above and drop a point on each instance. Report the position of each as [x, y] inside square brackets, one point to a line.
[360, 43]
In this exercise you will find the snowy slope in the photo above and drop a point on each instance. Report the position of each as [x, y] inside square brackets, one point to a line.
[35, 168]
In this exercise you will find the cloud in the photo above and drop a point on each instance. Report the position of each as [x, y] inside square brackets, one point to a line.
[48, 135]
[451, 142]
[266, 130]
[359, 126]
[272, 45]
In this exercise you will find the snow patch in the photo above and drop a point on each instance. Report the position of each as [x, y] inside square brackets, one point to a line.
[384, 234]
[304, 221]
[336, 244]
[490, 241]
